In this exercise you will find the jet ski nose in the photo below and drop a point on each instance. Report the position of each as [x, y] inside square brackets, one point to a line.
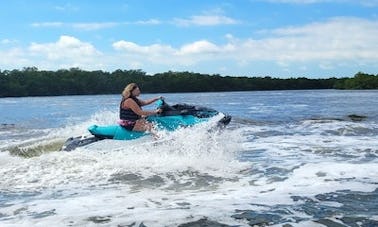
[225, 120]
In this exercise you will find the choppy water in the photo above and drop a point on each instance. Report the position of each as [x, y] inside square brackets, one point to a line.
[293, 158]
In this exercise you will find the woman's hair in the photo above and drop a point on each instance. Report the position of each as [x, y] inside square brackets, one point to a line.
[126, 93]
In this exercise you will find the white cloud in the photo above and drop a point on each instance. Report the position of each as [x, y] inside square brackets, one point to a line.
[199, 47]
[298, 1]
[66, 46]
[326, 44]
[47, 24]
[148, 22]
[94, 26]
[79, 26]
[368, 3]
[329, 42]
[338, 38]
[67, 51]
[66, 7]
[6, 41]
[326, 65]
[15, 57]
[205, 20]
[133, 48]
[187, 54]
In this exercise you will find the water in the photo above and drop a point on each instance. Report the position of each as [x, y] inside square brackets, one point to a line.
[300, 158]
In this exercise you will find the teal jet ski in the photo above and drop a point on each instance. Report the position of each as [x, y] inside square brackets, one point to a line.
[170, 119]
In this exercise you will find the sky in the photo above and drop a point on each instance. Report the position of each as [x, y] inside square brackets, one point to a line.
[277, 38]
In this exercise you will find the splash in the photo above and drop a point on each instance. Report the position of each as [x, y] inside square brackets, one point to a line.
[199, 152]
[300, 172]
[34, 142]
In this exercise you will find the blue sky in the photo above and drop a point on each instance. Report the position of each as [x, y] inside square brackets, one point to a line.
[278, 38]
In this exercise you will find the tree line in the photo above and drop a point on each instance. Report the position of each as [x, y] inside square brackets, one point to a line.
[33, 82]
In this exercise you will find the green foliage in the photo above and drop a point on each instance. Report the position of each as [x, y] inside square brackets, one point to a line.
[359, 81]
[32, 82]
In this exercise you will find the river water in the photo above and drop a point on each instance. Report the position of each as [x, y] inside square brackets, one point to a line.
[293, 158]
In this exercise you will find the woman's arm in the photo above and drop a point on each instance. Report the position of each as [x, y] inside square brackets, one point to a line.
[129, 103]
[149, 101]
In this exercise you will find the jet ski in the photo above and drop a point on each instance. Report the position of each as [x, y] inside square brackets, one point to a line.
[171, 118]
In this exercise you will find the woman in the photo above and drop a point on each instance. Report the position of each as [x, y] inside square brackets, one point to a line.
[132, 117]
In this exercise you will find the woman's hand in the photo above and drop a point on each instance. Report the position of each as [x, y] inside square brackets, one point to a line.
[158, 98]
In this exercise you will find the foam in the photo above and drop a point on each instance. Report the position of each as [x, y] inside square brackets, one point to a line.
[193, 148]
[170, 207]
[187, 174]
[81, 176]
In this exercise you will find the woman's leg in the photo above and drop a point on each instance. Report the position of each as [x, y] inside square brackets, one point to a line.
[142, 125]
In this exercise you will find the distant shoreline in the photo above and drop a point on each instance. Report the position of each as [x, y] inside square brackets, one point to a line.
[34, 82]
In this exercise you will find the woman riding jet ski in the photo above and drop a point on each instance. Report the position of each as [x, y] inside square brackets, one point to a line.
[133, 126]
[131, 114]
